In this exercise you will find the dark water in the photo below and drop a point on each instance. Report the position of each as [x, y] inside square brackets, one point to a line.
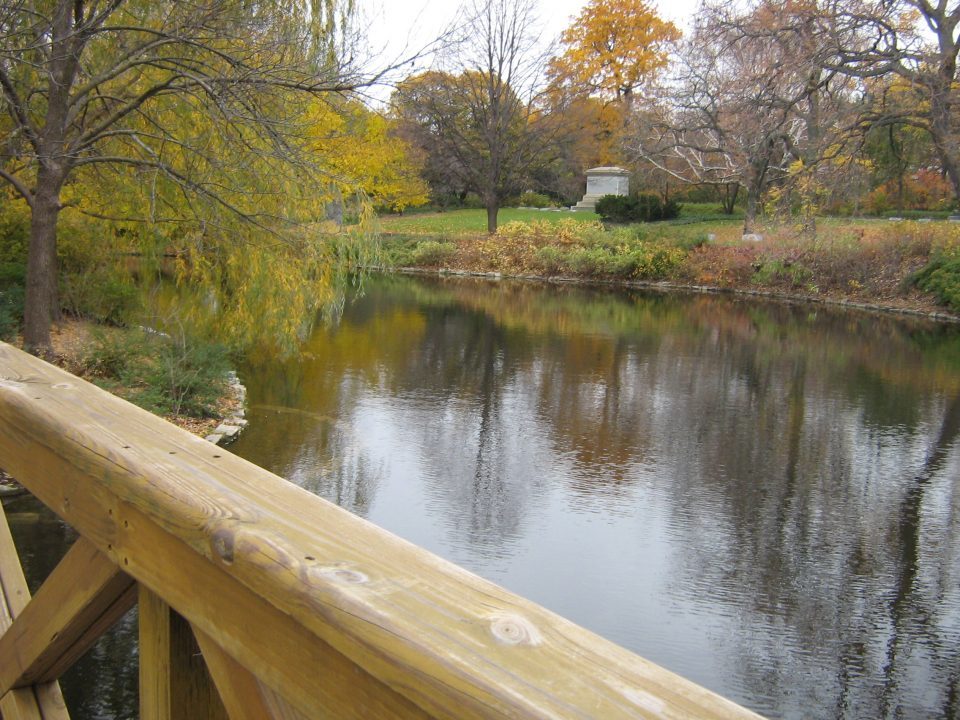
[760, 497]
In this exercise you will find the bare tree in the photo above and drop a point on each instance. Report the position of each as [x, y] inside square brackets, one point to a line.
[479, 114]
[93, 83]
[877, 38]
[750, 98]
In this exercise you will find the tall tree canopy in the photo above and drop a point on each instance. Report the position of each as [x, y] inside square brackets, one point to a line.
[751, 101]
[189, 101]
[612, 47]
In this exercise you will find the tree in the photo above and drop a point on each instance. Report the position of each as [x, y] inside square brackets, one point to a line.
[877, 38]
[894, 149]
[610, 50]
[612, 47]
[165, 90]
[588, 132]
[479, 117]
[751, 103]
[362, 153]
[416, 108]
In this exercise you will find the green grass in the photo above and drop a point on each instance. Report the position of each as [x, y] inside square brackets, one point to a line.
[463, 222]
[458, 222]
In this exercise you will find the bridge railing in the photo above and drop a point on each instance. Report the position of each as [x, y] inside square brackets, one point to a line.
[258, 599]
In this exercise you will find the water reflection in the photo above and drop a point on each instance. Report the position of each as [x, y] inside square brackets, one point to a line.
[760, 497]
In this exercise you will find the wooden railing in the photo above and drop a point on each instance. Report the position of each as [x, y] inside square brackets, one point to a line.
[299, 609]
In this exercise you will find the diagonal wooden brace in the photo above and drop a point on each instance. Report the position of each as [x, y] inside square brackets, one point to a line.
[43, 702]
[83, 597]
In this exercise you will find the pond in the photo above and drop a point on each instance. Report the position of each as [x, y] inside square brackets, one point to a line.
[758, 496]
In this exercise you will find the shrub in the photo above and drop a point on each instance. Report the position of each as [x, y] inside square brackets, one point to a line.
[616, 208]
[646, 261]
[115, 354]
[11, 298]
[660, 262]
[671, 210]
[472, 201]
[179, 374]
[432, 252]
[941, 276]
[537, 200]
[188, 376]
[565, 231]
[100, 293]
[779, 272]
[93, 280]
[549, 260]
[643, 207]
[11, 311]
[692, 242]
[14, 231]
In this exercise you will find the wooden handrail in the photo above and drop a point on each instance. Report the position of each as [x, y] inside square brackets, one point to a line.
[300, 608]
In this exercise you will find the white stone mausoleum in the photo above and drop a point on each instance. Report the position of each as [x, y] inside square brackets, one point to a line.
[603, 181]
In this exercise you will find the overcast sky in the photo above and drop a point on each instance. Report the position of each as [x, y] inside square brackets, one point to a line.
[398, 27]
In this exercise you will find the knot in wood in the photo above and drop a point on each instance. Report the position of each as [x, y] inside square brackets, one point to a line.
[62, 386]
[222, 543]
[514, 630]
[345, 575]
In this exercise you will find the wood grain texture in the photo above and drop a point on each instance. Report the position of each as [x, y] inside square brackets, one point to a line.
[83, 597]
[174, 680]
[43, 702]
[153, 617]
[335, 615]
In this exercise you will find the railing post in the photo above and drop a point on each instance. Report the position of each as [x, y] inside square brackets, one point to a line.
[174, 680]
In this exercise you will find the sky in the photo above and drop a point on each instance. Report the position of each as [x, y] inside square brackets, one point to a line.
[393, 20]
[397, 28]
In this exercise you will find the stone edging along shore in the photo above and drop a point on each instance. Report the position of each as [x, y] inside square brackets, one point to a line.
[940, 316]
[234, 423]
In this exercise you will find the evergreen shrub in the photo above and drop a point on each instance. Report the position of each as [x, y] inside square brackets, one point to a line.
[642, 207]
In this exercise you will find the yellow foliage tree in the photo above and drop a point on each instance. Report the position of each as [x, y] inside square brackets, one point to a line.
[257, 276]
[181, 123]
[362, 155]
[612, 47]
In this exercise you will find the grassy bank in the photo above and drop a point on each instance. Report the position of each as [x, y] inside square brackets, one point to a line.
[903, 264]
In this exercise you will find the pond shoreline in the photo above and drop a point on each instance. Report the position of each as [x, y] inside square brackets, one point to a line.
[667, 286]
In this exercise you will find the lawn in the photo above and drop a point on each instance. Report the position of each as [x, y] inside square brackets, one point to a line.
[467, 222]
[456, 222]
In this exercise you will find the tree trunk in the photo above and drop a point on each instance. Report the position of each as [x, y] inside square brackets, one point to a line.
[943, 125]
[493, 207]
[729, 199]
[41, 302]
[756, 178]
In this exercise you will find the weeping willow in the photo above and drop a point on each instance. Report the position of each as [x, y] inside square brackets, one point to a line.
[229, 203]
[185, 135]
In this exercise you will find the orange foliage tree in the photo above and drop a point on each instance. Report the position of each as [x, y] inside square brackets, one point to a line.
[612, 47]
